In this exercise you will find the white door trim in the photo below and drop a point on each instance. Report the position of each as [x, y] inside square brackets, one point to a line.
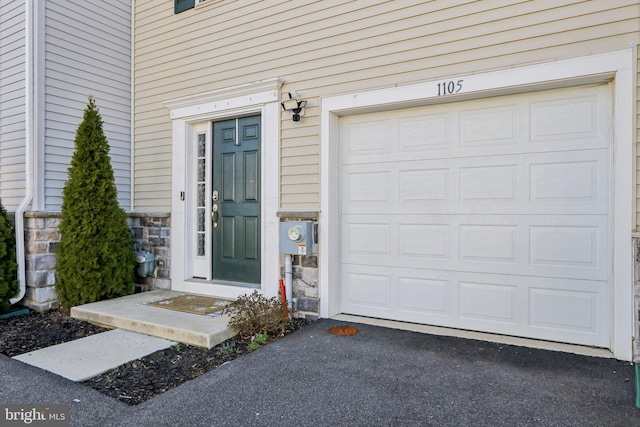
[261, 98]
[617, 66]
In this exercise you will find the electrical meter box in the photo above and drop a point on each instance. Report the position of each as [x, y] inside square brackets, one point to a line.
[296, 237]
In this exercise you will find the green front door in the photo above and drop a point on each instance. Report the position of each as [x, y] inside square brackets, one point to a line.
[236, 200]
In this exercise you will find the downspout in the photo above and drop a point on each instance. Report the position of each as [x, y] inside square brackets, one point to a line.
[29, 143]
[288, 279]
[132, 109]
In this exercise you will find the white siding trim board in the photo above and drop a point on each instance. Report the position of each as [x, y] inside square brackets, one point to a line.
[596, 68]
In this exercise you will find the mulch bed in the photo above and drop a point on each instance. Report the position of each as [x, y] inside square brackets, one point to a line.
[133, 382]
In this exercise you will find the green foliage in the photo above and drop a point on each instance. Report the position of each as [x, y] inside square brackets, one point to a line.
[256, 314]
[258, 341]
[261, 339]
[228, 348]
[8, 261]
[95, 258]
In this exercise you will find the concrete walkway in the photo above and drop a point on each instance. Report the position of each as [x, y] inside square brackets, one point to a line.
[378, 377]
[88, 357]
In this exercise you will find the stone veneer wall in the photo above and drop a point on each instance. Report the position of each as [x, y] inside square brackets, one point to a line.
[305, 284]
[42, 236]
[305, 271]
[152, 232]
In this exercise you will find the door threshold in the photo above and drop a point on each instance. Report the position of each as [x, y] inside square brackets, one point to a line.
[480, 336]
[215, 288]
[225, 283]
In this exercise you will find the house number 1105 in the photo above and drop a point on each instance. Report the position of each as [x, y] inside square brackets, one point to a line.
[446, 88]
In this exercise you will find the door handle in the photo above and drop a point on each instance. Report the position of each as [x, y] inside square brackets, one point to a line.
[214, 215]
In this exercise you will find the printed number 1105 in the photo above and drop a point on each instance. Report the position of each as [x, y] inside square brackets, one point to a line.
[447, 88]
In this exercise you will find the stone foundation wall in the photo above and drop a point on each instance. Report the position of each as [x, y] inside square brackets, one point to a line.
[42, 236]
[305, 285]
[152, 233]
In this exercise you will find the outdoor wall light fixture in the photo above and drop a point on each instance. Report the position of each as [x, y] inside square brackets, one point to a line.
[295, 106]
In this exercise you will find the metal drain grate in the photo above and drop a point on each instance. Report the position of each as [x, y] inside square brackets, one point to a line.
[343, 331]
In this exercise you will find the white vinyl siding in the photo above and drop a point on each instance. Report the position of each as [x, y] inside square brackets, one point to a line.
[87, 52]
[338, 47]
[12, 103]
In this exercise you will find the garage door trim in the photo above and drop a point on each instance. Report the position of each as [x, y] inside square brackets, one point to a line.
[616, 65]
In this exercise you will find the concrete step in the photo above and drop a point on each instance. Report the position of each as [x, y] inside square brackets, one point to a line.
[131, 313]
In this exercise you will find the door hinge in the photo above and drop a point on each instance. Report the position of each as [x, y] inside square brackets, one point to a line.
[182, 196]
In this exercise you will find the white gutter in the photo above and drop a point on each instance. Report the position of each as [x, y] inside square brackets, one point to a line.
[29, 146]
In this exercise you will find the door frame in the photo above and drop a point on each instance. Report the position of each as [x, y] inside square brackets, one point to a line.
[186, 114]
[617, 66]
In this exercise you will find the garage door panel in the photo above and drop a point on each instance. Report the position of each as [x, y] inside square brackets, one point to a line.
[366, 239]
[539, 245]
[369, 137]
[488, 243]
[544, 308]
[424, 241]
[369, 289]
[569, 310]
[492, 183]
[574, 180]
[489, 215]
[491, 126]
[550, 309]
[565, 246]
[570, 118]
[424, 296]
[495, 303]
[369, 186]
[426, 185]
[425, 132]
[571, 183]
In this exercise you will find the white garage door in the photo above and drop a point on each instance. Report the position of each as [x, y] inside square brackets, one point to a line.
[490, 215]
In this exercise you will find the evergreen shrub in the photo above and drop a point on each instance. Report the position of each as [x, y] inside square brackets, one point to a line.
[95, 259]
[8, 262]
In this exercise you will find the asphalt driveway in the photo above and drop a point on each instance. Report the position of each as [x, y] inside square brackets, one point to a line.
[378, 377]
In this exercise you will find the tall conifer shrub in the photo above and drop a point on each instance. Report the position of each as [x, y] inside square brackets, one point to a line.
[95, 258]
[8, 263]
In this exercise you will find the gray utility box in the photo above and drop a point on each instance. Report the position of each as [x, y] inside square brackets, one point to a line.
[296, 237]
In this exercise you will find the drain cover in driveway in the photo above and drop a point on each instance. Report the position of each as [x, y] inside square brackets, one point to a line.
[343, 331]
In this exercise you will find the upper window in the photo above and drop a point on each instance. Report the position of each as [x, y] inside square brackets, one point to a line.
[182, 5]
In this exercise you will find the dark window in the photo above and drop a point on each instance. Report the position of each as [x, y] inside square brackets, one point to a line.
[182, 5]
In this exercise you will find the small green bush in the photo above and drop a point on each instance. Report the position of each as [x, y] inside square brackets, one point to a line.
[228, 348]
[255, 314]
[8, 262]
[258, 341]
[95, 259]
